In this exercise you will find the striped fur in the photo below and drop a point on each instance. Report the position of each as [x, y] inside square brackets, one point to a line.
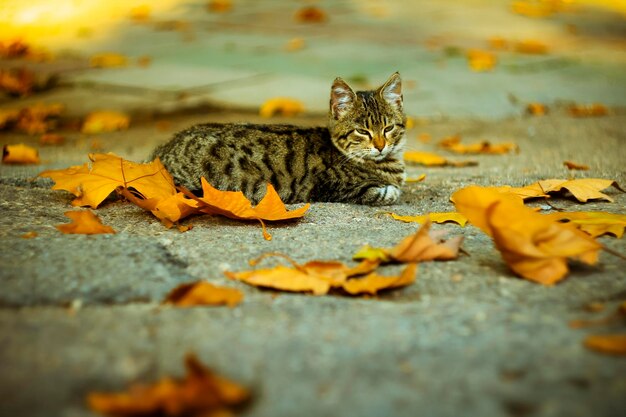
[358, 159]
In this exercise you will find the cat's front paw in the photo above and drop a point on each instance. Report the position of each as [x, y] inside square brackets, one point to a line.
[381, 196]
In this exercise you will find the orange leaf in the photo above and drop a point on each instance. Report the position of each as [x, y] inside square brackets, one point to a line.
[283, 278]
[574, 165]
[453, 217]
[590, 110]
[105, 121]
[201, 392]
[534, 246]
[17, 81]
[169, 209]
[611, 344]
[19, 154]
[537, 109]
[220, 6]
[38, 118]
[421, 178]
[203, 293]
[92, 183]
[281, 106]
[84, 222]
[594, 223]
[432, 159]
[8, 116]
[582, 189]
[51, 139]
[373, 282]
[531, 46]
[108, 60]
[311, 15]
[485, 147]
[481, 61]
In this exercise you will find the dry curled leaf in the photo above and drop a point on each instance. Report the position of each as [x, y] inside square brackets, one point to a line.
[454, 144]
[108, 60]
[200, 393]
[373, 283]
[105, 121]
[588, 110]
[583, 189]
[283, 106]
[610, 344]
[481, 61]
[203, 293]
[433, 160]
[418, 247]
[534, 246]
[84, 222]
[19, 154]
[235, 205]
[450, 217]
[594, 223]
[576, 166]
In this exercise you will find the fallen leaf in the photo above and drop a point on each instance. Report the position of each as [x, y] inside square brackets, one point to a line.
[421, 178]
[432, 159]
[17, 81]
[295, 44]
[534, 9]
[481, 61]
[283, 278]
[454, 144]
[594, 223]
[534, 246]
[203, 293]
[583, 189]
[184, 228]
[373, 283]
[108, 60]
[611, 344]
[14, 49]
[105, 121]
[235, 205]
[19, 154]
[84, 222]
[450, 217]
[590, 110]
[169, 208]
[51, 139]
[537, 109]
[144, 61]
[614, 317]
[283, 106]
[311, 14]
[418, 247]
[576, 166]
[8, 116]
[410, 122]
[200, 392]
[29, 235]
[424, 137]
[524, 193]
[38, 118]
[140, 13]
[220, 6]
[531, 46]
[92, 183]
[498, 43]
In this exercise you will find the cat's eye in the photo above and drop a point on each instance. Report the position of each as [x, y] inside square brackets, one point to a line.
[389, 128]
[363, 132]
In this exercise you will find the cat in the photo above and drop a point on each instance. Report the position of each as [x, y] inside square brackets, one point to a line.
[356, 159]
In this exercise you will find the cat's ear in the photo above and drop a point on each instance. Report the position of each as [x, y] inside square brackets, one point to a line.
[391, 91]
[342, 98]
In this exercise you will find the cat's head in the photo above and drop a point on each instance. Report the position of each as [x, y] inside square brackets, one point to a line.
[368, 124]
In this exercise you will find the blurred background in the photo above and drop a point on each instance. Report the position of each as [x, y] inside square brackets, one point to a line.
[475, 58]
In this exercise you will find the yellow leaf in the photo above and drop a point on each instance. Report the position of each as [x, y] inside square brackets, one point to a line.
[283, 278]
[453, 217]
[373, 282]
[531, 46]
[590, 110]
[105, 121]
[576, 166]
[431, 159]
[418, 179]
[281, 106]
[611, 344]
[454, 144]
[108, 60]
[480, 61]
[370, 253]
[537, 109]
[534, 246]
[19, 154]
[140, 13]
[582, 189]
[203, 293]
[533, 8]
[295, 44]
[594, 223]
[201, 392]
[524, 193]
[8, 116]
[85, 223]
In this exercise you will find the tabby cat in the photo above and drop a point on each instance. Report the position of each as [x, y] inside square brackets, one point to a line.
[357, 159]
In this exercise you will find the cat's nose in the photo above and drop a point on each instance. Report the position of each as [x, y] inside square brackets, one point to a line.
[379, 143]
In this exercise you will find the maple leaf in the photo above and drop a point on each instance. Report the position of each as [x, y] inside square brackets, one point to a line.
[105, 121]
[481, 61]
[418, 247]
[576, 166]
[235, 205]
[594, 223]
[432, 159]
[454, 144]
[611, 344]
[203, 293]
[453, 217]
[84, 222]
[19, 154]
[169, 209]
[523, 193]
[108, 60]
[534, 246]
[582, 189]
[281, 105]
[92, 183]
[201, 392]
